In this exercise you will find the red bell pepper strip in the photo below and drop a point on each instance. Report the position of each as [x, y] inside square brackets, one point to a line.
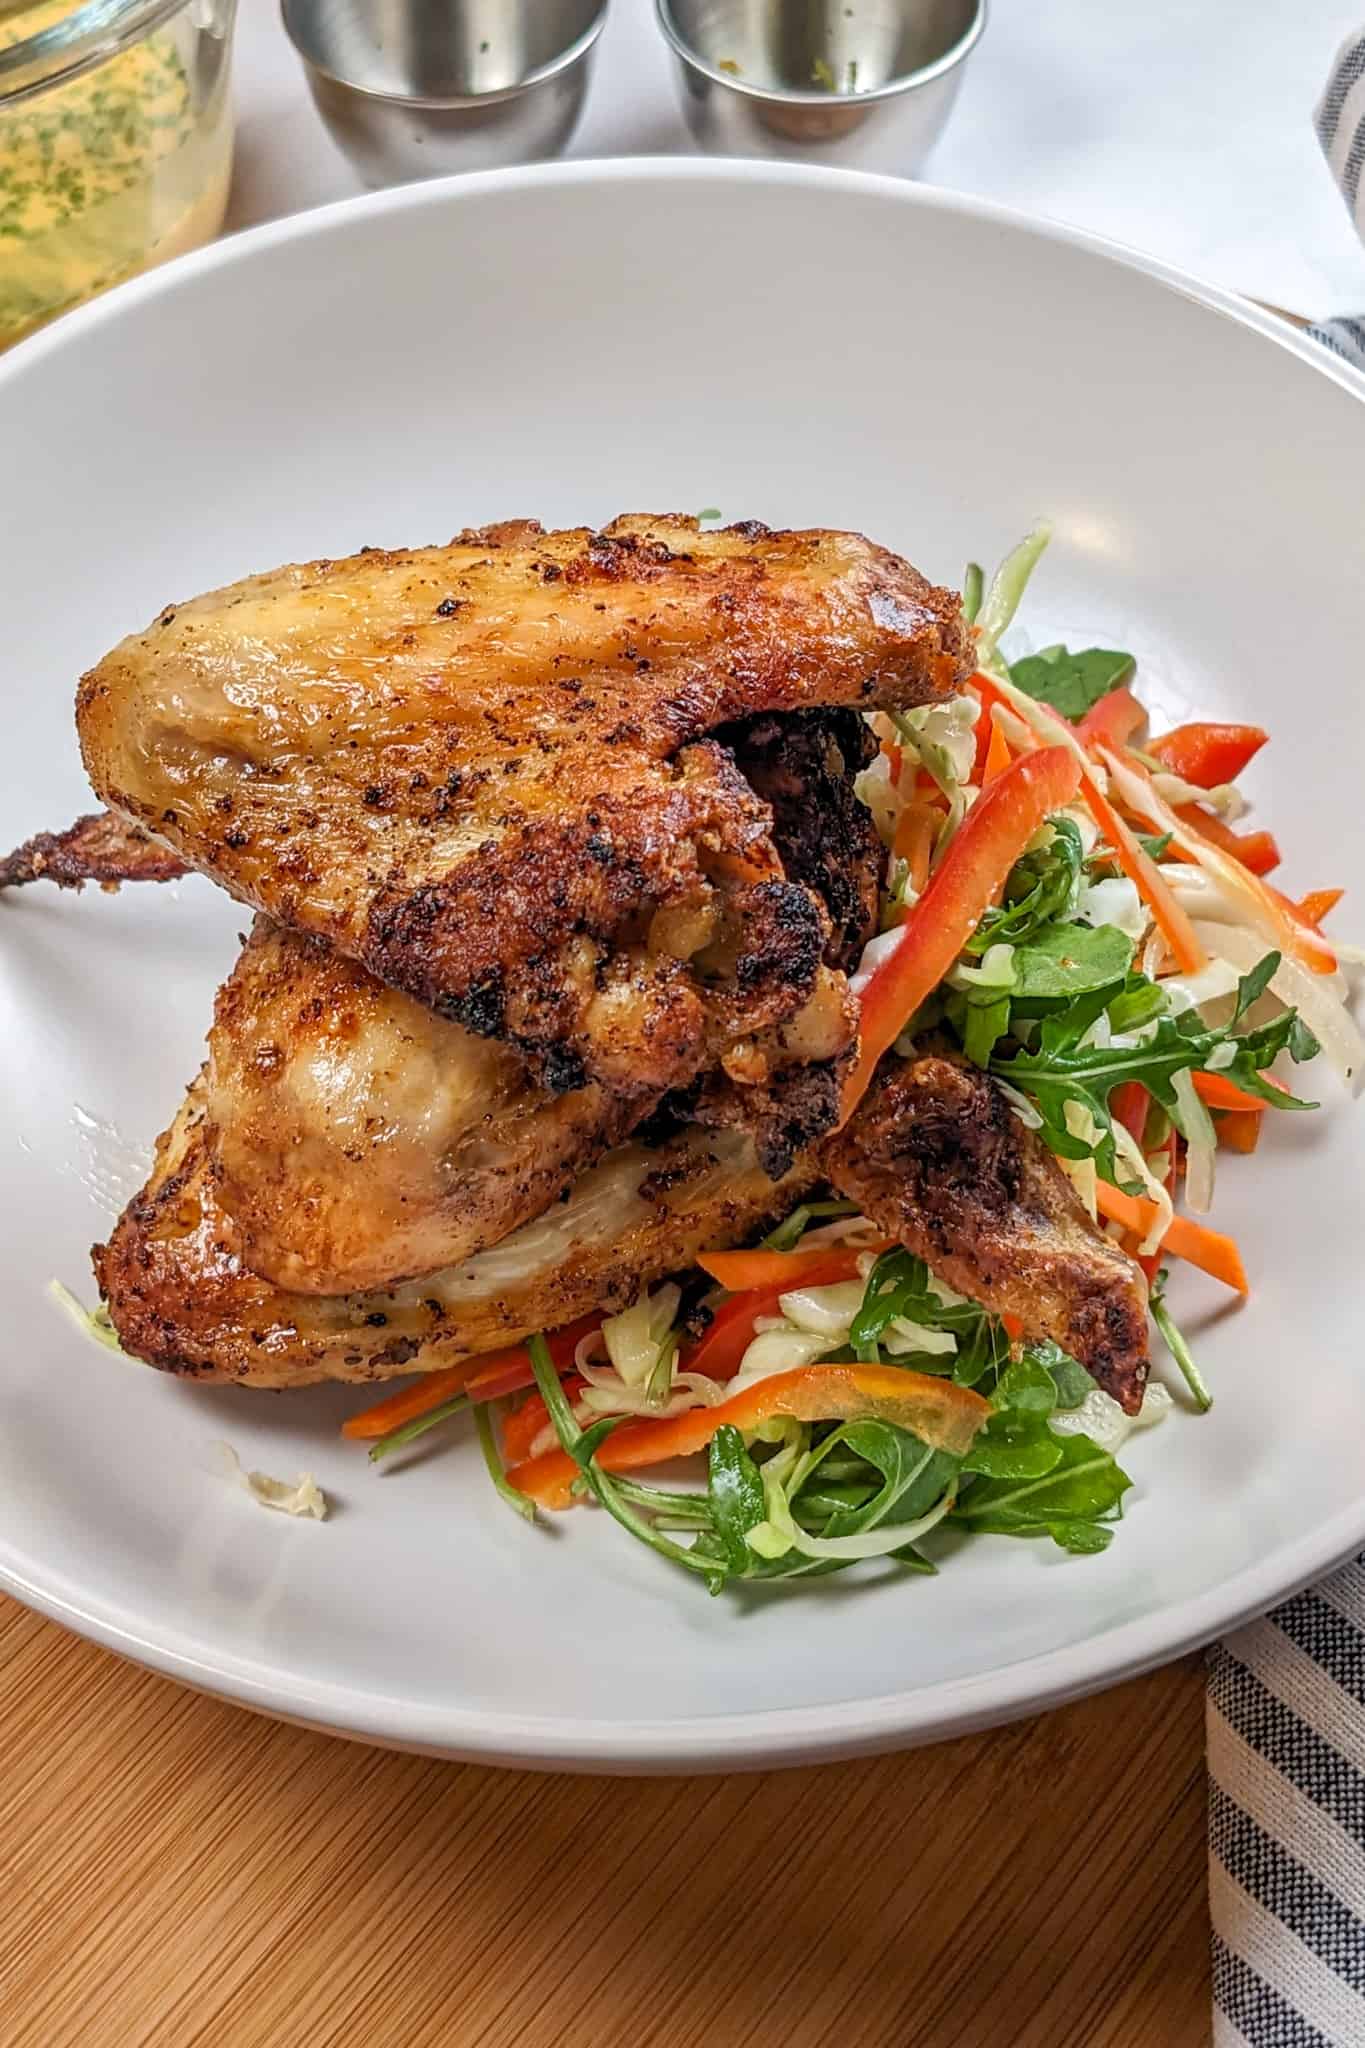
[1259, 852]
[727, 1337]
[942, 1415]
[1207, 754]
[969, 877]
[1129, 1104]
[1115, 719]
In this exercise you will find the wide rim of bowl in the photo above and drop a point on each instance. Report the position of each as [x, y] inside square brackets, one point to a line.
[819, 96]
[428, 103]
[765, 1737]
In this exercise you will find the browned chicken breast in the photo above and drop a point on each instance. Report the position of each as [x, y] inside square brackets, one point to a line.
[483, 770]
[936, 1157]
[360, 1139]
[181, 1296]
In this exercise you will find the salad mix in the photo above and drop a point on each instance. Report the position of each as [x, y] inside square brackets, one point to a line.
[1077, 907]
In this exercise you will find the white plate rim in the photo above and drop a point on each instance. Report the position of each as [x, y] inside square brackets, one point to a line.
[775, 1735]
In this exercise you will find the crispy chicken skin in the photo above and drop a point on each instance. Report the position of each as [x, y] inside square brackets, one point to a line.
[359, 1139]
[936, 1157]
[180, 1294]
[483, 770]
[101, 848]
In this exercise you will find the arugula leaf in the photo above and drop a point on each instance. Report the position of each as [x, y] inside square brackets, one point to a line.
[583, 1445]
[913, 1476]
[1016, 1443]
[1039, 888]
[734, 1493]
[1072, 683]
[1069, 1377]
[1178, 1347]
[899, 1479]
[898, 1287]
[1070, 1503]
[1062, 1069]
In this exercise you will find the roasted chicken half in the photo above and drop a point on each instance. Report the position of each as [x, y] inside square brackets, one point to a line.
[561, 872]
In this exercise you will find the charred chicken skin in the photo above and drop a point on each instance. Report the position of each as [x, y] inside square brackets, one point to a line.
[937, 1158]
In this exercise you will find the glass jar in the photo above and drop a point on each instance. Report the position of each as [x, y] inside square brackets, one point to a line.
[115, 144]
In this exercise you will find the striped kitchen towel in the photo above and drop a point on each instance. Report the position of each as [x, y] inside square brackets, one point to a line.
[1286, 1745]
[1340, 122]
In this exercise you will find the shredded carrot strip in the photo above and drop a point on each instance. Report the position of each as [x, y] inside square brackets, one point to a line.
[1220, 1093]
[1240, 1129]
[1172, 921]
[409, 1402]
[1314, 907]
[1210, 1250]
[914, 842]
[1293, 936]
[486, 1376]
[1320, 958]
[998, 754]
[740, 1271]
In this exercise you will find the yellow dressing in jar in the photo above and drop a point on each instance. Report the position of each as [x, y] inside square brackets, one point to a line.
[112, 157]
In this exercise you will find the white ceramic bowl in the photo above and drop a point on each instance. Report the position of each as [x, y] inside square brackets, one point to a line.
[803, 347]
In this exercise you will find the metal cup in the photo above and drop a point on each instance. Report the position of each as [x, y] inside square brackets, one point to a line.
[856, 82]
[410, 89]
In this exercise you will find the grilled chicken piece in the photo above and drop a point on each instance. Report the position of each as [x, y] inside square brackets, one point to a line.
[936, 1157]
[483, 772]
[103, 848]
[181, 1297]
[360, 1139]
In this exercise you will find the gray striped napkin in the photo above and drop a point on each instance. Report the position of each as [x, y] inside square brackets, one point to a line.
[1340, 122]
[1286, 1741]
[1286, 1697]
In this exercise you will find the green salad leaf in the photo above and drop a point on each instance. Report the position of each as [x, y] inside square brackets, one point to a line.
[1069, 1377]
[899, 1289]
[1017, 1443]
[1072, 683]
[734, 1494]
[1070, 960]
[1064, 1068]
[1040, 888]
[1072, 1502]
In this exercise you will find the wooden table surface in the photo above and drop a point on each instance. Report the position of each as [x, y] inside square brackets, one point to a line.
[177, 1872]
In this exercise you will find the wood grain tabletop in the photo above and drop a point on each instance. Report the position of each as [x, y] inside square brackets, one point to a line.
[176, 1872]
